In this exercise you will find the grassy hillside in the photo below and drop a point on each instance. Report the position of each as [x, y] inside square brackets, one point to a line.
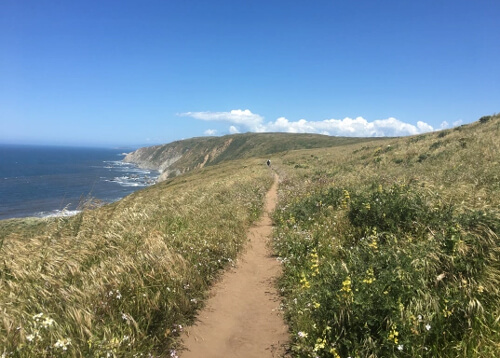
[182, 156]
[392, 249]
[122, 280]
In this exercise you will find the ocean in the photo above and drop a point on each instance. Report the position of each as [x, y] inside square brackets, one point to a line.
[46, 181]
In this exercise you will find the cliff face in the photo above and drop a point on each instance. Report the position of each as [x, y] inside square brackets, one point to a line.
[158, 157]
[179, 157]
[182, 156]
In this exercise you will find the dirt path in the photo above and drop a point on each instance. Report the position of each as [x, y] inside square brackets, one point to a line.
[242, 318]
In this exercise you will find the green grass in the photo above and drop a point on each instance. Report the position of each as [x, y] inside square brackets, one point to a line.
[392, 250]
[215, 150]
[123, 279]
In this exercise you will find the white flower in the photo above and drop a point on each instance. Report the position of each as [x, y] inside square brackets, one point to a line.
[420, 318]
[302, 334]
[400, 347]
[30, 337]
[48, 322]
[37, 316]
[63, 344]
[428, 327]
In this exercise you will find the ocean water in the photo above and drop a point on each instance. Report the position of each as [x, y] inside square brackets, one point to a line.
[52, 181]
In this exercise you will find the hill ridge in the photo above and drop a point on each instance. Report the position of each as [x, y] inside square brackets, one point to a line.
[182, 156]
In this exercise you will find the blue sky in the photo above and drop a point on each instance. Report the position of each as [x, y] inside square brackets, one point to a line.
[146, 72]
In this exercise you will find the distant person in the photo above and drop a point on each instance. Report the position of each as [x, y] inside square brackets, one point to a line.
[268, 162]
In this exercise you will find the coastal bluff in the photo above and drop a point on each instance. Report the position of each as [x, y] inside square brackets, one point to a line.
[181, 156]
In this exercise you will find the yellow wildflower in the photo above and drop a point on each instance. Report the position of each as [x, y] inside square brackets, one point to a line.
[393, 335]
[334, 353]
[304, 282]
[370, 276]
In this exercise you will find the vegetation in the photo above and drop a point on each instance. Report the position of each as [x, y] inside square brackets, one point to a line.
[392, 250]
[124, 279]
[194, 153]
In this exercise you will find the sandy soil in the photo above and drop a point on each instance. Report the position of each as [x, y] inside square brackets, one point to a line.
[242, 317]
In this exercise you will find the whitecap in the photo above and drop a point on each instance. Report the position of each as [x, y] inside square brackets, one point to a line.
[58, 213]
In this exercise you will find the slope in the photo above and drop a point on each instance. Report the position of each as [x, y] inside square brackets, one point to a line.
[182, 156]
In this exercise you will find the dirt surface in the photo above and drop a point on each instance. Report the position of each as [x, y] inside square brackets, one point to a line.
[242, 318]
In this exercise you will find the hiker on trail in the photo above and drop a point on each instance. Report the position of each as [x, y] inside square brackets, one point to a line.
[268, 162]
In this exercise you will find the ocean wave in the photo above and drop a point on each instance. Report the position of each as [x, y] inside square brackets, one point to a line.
[58, 213]
[133, 180]
[133, 176]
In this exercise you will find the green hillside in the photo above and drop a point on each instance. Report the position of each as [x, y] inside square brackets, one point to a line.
[390, 248]
[182, 156]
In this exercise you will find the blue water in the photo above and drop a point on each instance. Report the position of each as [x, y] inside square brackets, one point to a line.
[48, 181]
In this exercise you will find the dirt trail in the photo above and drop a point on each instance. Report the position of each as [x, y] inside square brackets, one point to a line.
[242, 318]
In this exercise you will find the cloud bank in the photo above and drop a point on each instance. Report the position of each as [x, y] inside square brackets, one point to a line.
[350, 127]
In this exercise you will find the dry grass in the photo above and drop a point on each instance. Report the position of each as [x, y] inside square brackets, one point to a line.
[123, 279]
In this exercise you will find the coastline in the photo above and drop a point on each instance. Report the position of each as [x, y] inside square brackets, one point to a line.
[37, 181]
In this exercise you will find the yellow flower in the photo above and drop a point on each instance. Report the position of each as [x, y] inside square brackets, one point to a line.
[304, 282]
[374, 244]
[320, 344]
[346, 199]
[370, 276]
[315, 263]
[346, 285]
[393, 335]
[346, 289]
[446, 312]
[334, 353]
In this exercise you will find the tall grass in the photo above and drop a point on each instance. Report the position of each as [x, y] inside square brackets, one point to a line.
[392, 249]
[122, 280]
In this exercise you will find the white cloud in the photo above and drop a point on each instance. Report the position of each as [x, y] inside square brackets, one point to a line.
[350, 127]
[233, 130]
[236, 116]
[424, 127]
[211, 132]
[457, 123]
[444, 125]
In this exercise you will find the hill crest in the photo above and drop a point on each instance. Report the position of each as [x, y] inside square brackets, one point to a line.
[181, 156]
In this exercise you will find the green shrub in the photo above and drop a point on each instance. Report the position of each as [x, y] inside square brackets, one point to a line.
[443, 133]
[388, 272]
[485, 119]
